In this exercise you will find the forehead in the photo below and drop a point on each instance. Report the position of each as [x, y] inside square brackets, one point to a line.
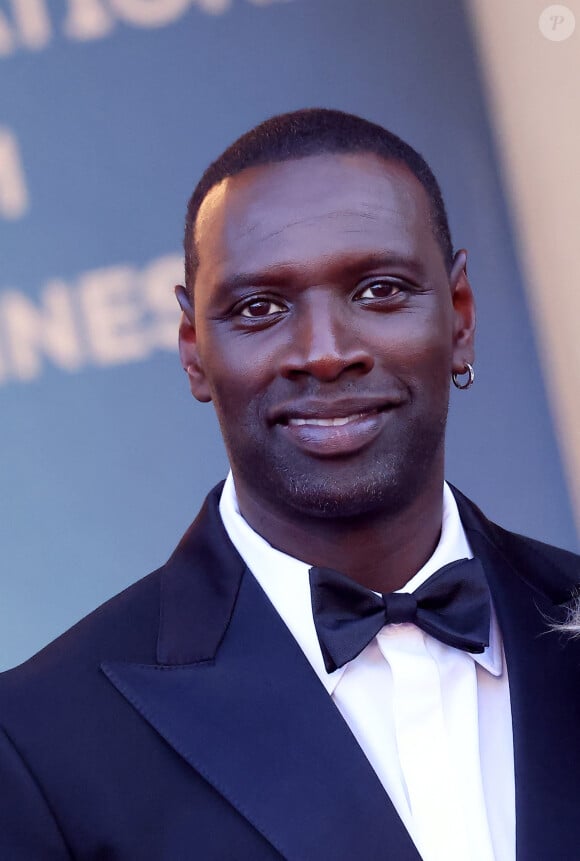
[313, 209]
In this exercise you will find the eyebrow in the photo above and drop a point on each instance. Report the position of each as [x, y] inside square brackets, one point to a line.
[266, 277]
[388, 261]
[284, 272]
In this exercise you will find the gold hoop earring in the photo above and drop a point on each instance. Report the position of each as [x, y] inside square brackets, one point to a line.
[468, 382]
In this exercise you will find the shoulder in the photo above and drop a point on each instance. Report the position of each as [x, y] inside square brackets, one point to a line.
[552, 569]
[125, 626]
[59, 705]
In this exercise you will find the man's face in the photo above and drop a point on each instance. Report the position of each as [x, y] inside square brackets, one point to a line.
[325, 329]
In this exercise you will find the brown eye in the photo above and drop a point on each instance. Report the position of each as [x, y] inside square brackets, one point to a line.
[260, 308]
[380, 290]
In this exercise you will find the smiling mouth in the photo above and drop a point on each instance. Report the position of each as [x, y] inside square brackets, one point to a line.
[339, 435]
[331, 422]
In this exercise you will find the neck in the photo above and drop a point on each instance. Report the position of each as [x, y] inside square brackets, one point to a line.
[381, 552]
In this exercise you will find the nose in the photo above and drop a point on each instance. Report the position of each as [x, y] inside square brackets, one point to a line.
[325, 344]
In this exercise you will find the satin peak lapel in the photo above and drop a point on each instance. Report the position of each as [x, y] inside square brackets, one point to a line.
[250, 715]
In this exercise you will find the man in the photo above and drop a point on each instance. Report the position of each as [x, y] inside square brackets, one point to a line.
[255, 698]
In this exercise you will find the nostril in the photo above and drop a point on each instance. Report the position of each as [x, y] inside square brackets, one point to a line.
[328, 366]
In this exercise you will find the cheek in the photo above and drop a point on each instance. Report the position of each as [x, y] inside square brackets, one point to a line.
[421, 360]
[237, 387]
[238, 366]
[417, 347]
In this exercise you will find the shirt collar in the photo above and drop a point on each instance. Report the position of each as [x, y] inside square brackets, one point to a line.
[285, 579]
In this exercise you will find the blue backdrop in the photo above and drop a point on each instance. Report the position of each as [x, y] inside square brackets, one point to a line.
[109, 111]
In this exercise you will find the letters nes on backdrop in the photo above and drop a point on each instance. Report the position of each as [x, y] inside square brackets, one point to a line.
[109, 111]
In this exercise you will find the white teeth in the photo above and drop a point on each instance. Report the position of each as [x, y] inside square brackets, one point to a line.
[325, 422]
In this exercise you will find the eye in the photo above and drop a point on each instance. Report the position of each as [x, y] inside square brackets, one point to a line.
[261, 307]
[380, 289]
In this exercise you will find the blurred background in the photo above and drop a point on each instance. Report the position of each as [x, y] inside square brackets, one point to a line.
[109, 112]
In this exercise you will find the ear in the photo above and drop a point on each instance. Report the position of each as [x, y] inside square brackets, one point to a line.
[188, 352]
[463, 314]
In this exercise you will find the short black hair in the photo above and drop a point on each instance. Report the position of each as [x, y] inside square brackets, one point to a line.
[313, 131]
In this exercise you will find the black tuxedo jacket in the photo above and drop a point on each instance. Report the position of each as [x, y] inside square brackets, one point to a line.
[182, 721]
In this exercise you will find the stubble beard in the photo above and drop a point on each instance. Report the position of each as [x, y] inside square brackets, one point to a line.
[365, 485]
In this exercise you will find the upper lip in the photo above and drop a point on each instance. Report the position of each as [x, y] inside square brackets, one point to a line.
[327, 409]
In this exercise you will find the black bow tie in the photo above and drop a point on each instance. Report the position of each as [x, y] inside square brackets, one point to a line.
[453, 605]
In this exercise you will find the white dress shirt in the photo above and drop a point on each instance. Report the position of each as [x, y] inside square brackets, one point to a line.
[433, 721]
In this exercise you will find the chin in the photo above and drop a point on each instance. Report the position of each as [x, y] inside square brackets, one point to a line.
[383, 491]
[371, 484]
